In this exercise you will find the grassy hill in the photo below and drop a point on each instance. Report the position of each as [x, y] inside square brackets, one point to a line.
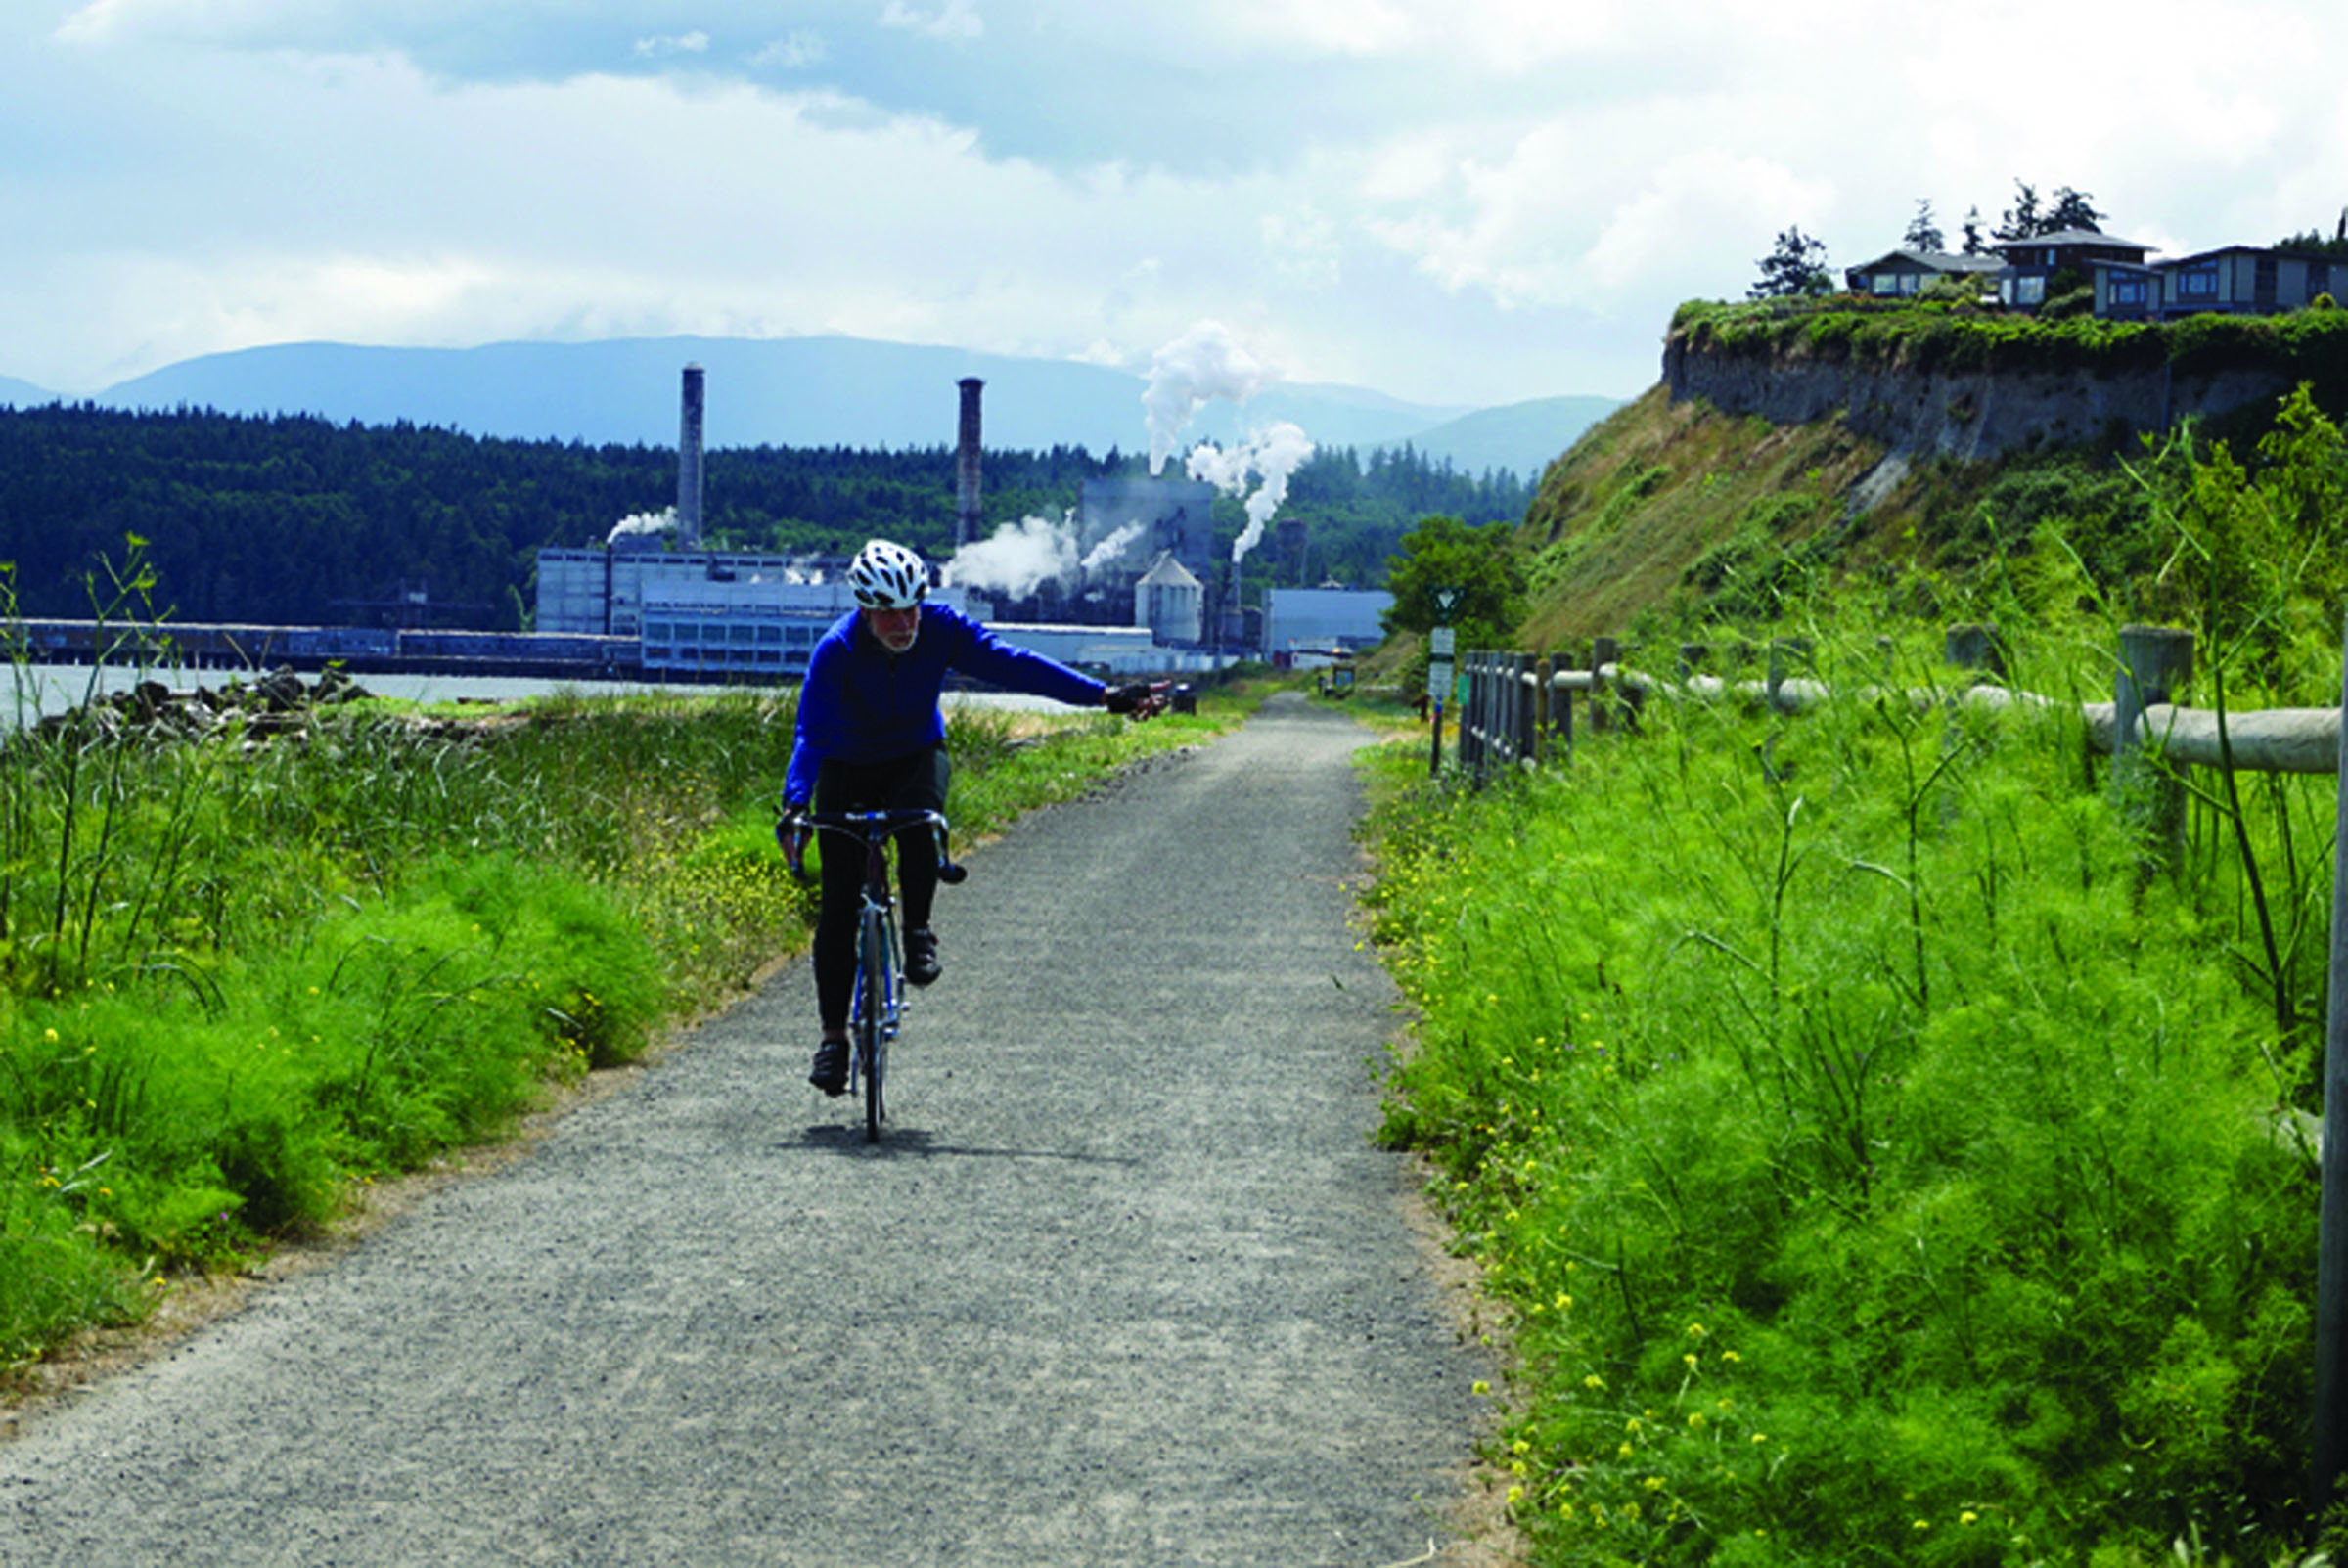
[1657, 498]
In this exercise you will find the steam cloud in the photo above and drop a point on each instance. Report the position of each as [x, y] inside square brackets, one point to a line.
[1272, 457]
[1111, 547]
[1022, 555]
[1019, 557]
[1205, 362]
[643, 522]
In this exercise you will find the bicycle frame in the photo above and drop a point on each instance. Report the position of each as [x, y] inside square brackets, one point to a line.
[877, 1011]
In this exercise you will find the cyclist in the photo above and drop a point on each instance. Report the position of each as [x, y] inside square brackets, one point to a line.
[871, 738]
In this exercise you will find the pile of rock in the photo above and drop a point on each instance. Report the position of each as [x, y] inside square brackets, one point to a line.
[278, 703]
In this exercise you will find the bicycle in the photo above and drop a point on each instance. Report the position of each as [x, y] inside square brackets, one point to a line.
[877, 1011]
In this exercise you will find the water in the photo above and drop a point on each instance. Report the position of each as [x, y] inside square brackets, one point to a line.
[37, 691]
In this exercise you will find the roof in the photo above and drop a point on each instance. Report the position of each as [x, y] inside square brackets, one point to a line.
[2252, 250]
[2073, 238]
[1934, 260]
[1167, 572]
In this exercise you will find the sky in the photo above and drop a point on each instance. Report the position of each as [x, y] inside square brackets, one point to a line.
[1464, 203]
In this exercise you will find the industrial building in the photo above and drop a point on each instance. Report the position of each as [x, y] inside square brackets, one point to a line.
[1141, 603]
[1321, 620]
[702, 611]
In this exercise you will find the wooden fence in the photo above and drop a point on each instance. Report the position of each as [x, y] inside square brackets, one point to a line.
[1519, 711]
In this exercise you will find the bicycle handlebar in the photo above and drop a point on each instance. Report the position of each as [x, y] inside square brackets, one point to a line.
[869, 828]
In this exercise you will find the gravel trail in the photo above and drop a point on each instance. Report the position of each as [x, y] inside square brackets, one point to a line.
[1124, 1281]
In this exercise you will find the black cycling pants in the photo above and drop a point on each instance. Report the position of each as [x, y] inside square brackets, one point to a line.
[912, 783]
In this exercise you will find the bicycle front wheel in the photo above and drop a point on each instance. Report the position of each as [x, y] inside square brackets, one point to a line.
[873, 985]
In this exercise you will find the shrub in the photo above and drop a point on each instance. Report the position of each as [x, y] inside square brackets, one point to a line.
[1877, 1167]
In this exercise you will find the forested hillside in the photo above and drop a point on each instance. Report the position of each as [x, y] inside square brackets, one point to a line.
[299, 520]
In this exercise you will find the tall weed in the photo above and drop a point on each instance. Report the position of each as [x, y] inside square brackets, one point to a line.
[283, 967]
[1878, 1166]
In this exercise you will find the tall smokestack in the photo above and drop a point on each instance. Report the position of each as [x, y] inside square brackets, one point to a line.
[689, 464]
[965, 467]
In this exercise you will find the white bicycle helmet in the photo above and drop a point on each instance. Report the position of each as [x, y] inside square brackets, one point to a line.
[887, 576]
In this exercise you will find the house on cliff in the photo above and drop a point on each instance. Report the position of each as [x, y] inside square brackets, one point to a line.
[2128, 287]
[2029, 265]
[2235, 278]
[1904, 273]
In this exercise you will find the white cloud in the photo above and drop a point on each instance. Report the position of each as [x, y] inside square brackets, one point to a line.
[1460, 200]
[957, 20]
[1736, 201]
[804, 47]
[1303, 248]
[691, 43]
[1319, 27]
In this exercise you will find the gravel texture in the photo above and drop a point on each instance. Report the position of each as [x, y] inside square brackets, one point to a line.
[1124, 1281]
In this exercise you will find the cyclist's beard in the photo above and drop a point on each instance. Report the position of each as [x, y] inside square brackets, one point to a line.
[903, 644]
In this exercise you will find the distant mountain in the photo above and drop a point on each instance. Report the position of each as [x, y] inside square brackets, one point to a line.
[1522, 437]
[802, 392]
[23, 395]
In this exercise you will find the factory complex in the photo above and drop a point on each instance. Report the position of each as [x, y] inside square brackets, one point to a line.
[1140, 590]
[1129, 583]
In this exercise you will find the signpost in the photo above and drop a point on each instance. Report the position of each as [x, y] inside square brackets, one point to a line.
[1441, 646]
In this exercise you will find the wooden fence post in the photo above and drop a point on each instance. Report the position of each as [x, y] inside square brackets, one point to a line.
[1463, 733]
[1528, 709]
[1975, 647]
[1476, 718]
[1504, 723]
[1787, 656]
[1603, 650]
[2154, 661]
[2331, 1238]
[1542, 707]
[1560, 702]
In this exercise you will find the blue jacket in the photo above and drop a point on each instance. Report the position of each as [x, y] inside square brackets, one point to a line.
[864, 704]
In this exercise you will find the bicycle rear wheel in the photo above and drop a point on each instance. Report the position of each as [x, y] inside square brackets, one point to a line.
[875, 1003]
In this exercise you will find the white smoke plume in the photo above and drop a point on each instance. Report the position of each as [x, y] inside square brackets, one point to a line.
[1271, 456]
[1111, 547]
[643, 522]
[1204, 363]
[1019, 557]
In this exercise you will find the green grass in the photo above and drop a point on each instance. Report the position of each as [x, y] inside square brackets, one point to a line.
[1879, 1166]
[237, 980]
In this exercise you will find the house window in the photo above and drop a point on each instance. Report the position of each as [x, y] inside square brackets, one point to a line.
[2198, 283]
[2128, 292]
[2030, 290]
[1885, 282]
[2318, 279]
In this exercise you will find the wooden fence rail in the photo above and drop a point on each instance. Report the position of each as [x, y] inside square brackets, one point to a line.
[1518, 708]
[1519, 712]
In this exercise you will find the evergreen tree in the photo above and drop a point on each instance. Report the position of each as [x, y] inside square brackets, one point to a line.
[1975, 245]
[293, 520]
[2022, 220]
[1923, 234]
[2073, 210]
[1797, 267]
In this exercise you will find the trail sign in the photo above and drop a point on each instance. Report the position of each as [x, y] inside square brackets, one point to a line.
[1447, 602]
[1442, 642]
[1439, 676]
